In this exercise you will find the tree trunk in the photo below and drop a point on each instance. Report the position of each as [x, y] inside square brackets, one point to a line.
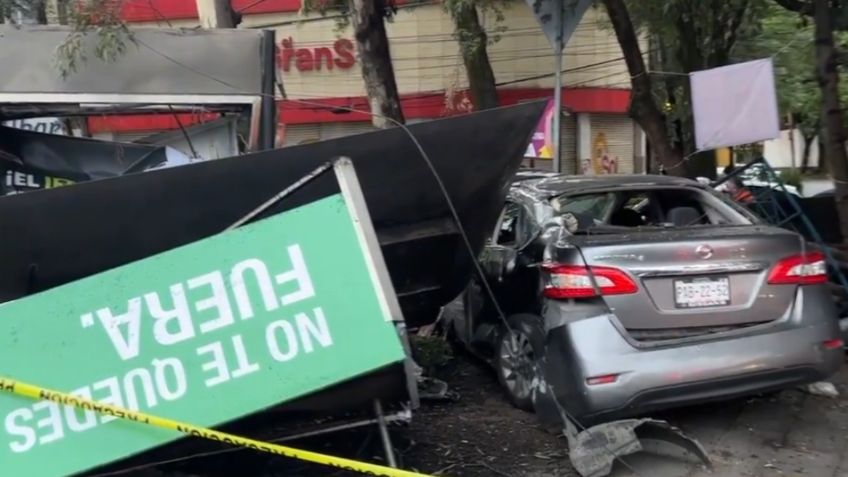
[41, 12]
[834, 126]
[369, 30]
[809, 140]
[823, 167]
[473, 43]
[643, 109]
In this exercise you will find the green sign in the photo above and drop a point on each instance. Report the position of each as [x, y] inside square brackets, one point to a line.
[205, 333]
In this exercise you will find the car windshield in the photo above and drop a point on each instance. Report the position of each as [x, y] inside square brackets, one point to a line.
[647, 209]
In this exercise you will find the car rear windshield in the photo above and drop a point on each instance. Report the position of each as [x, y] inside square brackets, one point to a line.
[650, 208]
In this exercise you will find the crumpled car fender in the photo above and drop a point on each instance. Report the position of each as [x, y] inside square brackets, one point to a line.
[594, 451]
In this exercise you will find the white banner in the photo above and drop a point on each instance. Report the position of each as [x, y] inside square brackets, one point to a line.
[40, 125]
[735, 105]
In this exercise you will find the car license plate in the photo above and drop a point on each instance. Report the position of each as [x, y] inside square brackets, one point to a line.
[702, 292]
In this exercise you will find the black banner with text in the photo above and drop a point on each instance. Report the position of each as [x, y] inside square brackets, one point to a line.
[33, 161]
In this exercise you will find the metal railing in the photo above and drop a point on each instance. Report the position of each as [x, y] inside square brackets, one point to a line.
[778, 206]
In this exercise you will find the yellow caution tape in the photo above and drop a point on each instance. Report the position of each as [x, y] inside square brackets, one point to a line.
[36, 392]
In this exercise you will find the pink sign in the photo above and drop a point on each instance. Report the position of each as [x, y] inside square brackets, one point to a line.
[541, 145]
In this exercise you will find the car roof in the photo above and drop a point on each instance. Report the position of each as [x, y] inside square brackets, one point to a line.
[549, 184]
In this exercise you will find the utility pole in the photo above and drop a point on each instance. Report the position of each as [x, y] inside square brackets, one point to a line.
[558, 20]
[217, 14]
[558, 47]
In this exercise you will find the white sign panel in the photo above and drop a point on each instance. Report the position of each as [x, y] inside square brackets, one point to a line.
[735, 105]
[41, 125]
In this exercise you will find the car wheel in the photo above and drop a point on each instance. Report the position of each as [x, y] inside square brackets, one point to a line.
[517, 351]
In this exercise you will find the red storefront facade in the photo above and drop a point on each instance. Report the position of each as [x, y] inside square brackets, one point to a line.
[318, 67]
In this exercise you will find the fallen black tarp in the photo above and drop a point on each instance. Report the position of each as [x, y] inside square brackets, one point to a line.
[32, 161]
[51, 237]
[55, 236]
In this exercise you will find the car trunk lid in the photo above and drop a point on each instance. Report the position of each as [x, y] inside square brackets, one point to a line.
[709, 276]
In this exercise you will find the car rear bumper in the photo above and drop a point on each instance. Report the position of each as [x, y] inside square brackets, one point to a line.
[764, 358]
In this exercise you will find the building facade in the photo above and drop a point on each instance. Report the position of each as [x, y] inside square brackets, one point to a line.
[318, 66]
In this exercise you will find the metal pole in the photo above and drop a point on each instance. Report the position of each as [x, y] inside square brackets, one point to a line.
[557, 140]
[792, 137]
[280, 195]
[268, 123]
[384, 434]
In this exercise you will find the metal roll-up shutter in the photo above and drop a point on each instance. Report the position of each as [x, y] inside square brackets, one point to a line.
[304, 133]
[618, 134]
[301, 133]
[568, 155]
[334, 130]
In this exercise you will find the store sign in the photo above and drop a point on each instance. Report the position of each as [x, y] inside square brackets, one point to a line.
[18, 181]
[541, 144]
[340, 56]
[40, 125]
[204, 333]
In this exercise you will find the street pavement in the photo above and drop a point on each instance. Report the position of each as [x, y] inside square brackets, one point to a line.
[788, 434]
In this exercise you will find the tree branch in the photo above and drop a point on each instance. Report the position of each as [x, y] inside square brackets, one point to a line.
[643, 109]
[735, 24]
[798, 6]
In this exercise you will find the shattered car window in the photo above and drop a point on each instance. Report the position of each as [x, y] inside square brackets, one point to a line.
[589, 207]
[649, 208]
[638, 202]
[509, 224]
[685, 207]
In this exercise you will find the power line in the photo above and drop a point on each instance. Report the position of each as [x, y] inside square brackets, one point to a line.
[451, 38]
[495, 57]
[257, 2]
[527, 31]
[434, 93]
[401, 8]
[422, 98]
[441, 92]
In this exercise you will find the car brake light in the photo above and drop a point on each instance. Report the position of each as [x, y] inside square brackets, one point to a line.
[799, 270]
[571, 281]
[605, 379]
[833, 344]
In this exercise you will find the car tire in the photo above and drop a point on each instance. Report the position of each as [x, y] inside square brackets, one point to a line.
[516, 354]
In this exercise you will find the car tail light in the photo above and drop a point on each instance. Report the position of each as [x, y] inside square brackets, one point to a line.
[571, 281]
[833, 344]
[605, 379]
[805, 269]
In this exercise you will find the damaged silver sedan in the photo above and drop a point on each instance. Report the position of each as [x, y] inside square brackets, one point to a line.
[641, 293]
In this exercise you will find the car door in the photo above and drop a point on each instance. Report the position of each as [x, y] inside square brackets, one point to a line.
[474, 307]
[513, 282]
[498, 256]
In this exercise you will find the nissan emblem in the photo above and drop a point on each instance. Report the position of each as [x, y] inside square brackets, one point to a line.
[704, 251]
